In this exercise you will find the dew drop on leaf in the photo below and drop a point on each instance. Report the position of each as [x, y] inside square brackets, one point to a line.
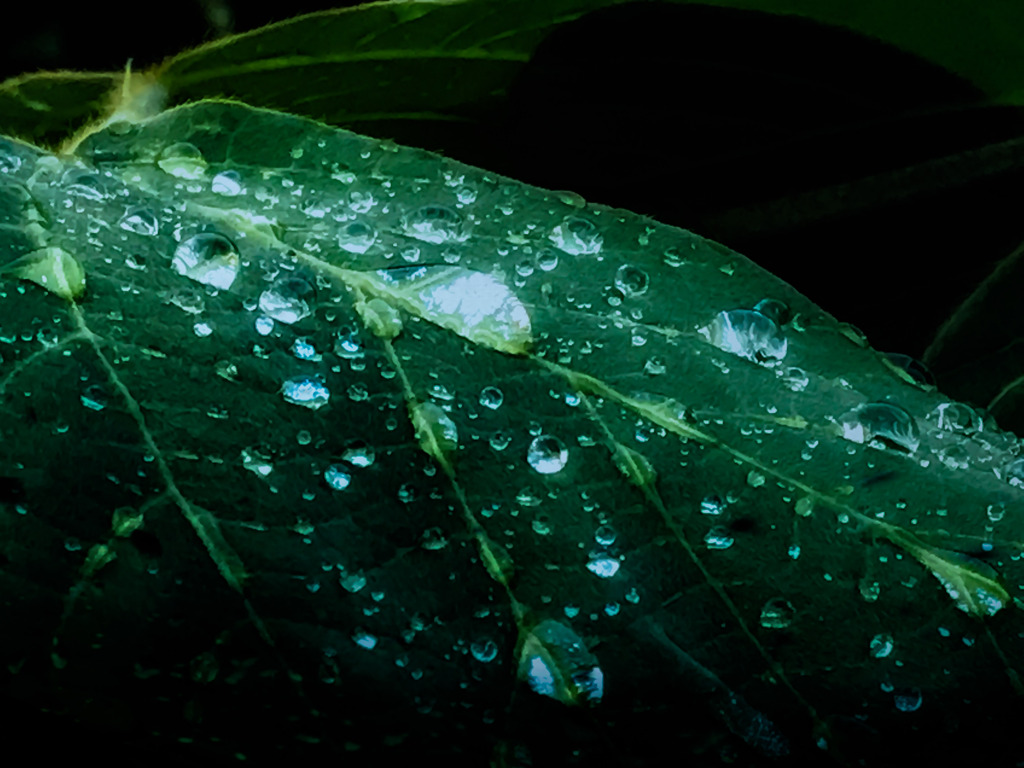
[547, 454]
[881, 421]
[287, 300]
[208, 258]
[748, 334]
[491, 397]
[307, 391]
[555, 662]
[182, 160]
[435, 224]
[631, 281]
[777, 613]
[337, 477]
[227, 183]
[577, 236]
[141, 220]
[356, 236]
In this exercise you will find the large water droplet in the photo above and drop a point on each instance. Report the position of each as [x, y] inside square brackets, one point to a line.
[287, 300]
[888, 423]
[957, 417]
[227, 183]
[82, 183]
[337, 477]
[777, 613]
[491, 397]
[53, 268]
[631, 281]
[547, 454]
[359, 454]
[748, 334]
[475, 305]
[356, 236]
[207, 258]
[307, 391]
[435, 224]
[182, 160]
[141, 220]
[577, 236]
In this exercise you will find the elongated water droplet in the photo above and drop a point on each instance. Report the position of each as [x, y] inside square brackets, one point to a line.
[141, 220]
[53, 268]
[307, 391]
[881, 421]
[556, 662]
[182, 160]
[435, 224]
[748, 334]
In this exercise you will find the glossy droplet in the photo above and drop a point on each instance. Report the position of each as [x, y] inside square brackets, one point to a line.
[182, 160]
[748, 334]
[484, 650]
[348, 345]
[227, 183]
[208, 258]
[141, 220]
[718, 537]
[631, 281]
[881, 645]
[777, 613]
[356, 236]
[603, 567]
[287, 300]
[435, 430]
[82, 183]
[491, 397]
[547, 454]
[555, 662]
[381, 318]
[475, 305]
[957, 417]
[359, 454]
[577, 236]
[712, 505]
[307, 391]
[881, 421]
[53, 268]
[434, 224]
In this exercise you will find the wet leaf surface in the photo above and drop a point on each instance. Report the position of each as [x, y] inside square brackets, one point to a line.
[347, 450]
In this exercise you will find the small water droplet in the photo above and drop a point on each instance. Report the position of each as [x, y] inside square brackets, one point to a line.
[881, 645]
[908, 700]
[500, 440]
[957, 417]
[82, 183]
[208, 258]
[352, 582]
[95, 397]
[712, 505]
[337, 477]
[605, 535]
[307, 391]
[547, 454]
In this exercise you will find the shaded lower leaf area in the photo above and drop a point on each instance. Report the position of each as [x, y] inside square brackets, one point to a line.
[315, 447]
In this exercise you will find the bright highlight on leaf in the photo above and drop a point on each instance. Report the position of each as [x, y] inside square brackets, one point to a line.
[53, 268]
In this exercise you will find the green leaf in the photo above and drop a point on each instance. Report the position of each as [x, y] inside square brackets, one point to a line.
[274, 459]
